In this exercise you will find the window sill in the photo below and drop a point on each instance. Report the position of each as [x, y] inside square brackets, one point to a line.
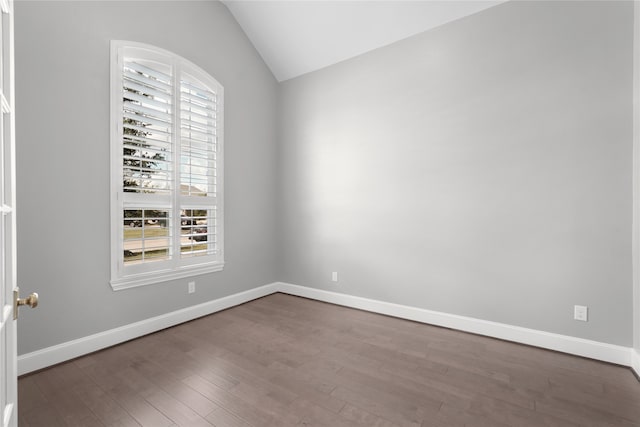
[165, 276]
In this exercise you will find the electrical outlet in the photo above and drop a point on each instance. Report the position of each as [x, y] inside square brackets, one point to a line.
[334, 276]
[580, 312]
[192, 287]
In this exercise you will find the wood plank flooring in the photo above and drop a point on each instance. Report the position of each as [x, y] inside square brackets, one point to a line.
[287, 361]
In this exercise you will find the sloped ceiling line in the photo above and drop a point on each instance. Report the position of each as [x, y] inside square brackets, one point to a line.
[296, 37]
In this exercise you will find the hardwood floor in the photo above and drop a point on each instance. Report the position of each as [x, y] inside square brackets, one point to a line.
[288, 361]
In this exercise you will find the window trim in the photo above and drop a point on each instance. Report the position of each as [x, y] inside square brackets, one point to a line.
[160, 271]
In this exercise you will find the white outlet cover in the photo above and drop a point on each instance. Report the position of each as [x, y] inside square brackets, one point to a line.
[580, 312]
[334, 276]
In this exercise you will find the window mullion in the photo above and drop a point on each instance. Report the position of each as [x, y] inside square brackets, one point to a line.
[177, 230]
[116, 159]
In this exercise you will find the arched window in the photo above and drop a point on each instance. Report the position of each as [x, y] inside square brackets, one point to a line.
[166, 164]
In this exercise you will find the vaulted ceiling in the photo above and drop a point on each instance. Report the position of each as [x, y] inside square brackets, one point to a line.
[296, 37]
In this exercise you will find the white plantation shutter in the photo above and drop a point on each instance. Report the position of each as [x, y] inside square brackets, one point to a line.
[166, 167]
[198, 165]
[147, 128]
[198, 121]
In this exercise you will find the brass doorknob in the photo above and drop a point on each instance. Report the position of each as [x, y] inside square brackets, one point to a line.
[31, 301]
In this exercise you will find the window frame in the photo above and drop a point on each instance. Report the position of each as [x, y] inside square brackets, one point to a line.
[123, 276]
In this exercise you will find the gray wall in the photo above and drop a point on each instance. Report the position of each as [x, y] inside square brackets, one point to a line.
[62, 85]
[636, 178]
[483, 169]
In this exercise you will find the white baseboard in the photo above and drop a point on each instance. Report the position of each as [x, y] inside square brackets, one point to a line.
[592, 349]
[635, 362]
[62, 352]
[566, 344]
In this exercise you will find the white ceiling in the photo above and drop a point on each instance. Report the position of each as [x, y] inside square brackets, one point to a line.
[295, 37]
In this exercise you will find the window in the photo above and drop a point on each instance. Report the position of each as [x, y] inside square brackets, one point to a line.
[166, 165]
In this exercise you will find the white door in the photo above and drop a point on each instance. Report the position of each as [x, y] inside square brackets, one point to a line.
[8, 350]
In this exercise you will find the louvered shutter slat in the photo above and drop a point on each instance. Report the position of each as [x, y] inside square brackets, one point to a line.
[147, 81]
[197, 100]
[204, 128]
[197, 90]
[131, 126]
[139, 142]
[147, 120]
[196, 114]
[152, 150]
[148, 112]
[133, 87]
[203, 110]
[199, 156]
[164, 166]
[206, 136]
[149, 71]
